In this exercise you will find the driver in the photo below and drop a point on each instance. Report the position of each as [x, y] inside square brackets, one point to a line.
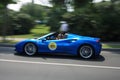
[60, 36]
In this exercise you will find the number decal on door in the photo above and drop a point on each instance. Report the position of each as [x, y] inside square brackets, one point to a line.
[52, 46]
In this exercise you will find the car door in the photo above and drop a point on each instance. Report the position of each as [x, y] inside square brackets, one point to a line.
[51, 46]
[60, 46]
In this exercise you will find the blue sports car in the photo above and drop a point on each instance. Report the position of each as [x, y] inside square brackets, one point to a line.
[85, 47]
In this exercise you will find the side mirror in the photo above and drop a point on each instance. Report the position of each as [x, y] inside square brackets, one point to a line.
[43, 40]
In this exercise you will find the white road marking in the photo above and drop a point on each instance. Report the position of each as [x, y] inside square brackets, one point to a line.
[60, 64]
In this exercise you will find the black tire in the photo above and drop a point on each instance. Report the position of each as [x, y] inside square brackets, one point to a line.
[86, 51]
[30, 49]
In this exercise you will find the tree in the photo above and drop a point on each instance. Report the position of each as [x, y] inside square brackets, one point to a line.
[92, 19]
[59, 12]
[24, 24]
[75, 3]
[38, 12]
[19, 23]
[110, 20]
[4, 16]
[4, 3]
[55, 16]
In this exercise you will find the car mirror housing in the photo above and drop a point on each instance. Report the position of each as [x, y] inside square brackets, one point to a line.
[43, 40]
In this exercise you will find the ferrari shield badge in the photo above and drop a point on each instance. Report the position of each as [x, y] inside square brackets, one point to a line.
[52, 46]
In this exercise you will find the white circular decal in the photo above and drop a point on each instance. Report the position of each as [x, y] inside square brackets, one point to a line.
[52, 46]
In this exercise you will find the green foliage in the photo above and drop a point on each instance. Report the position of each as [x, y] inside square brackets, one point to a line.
[55, 16]
[110, 21]
[18, 23]
[38, 12]
[83, 24]
[57, 2]
[4, 16]
[90, 19]
[79, 21]
[3, 3]
[81, 3]
[22, 23]
[36, 31]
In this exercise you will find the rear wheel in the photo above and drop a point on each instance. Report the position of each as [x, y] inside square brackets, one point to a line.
[86, 51]
[30, 49]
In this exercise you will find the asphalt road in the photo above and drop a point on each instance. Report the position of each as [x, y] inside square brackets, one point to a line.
[58, 67]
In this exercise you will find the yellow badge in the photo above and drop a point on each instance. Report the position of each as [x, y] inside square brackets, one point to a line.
[52, 46]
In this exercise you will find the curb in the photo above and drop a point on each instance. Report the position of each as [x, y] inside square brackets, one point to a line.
[110, 49]
[6, 45]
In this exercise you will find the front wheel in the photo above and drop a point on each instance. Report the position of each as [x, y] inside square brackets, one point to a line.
[30, 49]
[86, 51]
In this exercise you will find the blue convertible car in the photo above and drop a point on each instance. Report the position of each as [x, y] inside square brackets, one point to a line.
[85, 47]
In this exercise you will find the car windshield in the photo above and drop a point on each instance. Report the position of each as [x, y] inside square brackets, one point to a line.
[46, 35]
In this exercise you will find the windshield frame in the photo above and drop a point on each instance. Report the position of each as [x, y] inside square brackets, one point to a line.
[44, 36]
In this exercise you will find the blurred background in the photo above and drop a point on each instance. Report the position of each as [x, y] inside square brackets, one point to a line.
[34, 18]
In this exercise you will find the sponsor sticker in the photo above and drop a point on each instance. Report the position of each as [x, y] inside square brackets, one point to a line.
[52, 46]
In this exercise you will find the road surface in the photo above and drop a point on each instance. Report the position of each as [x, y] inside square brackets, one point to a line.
[58, 67]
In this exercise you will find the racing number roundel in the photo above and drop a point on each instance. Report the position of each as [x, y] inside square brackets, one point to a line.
[52, 46]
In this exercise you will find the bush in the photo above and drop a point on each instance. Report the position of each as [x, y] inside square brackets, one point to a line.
[101, 21]
[23, 23]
